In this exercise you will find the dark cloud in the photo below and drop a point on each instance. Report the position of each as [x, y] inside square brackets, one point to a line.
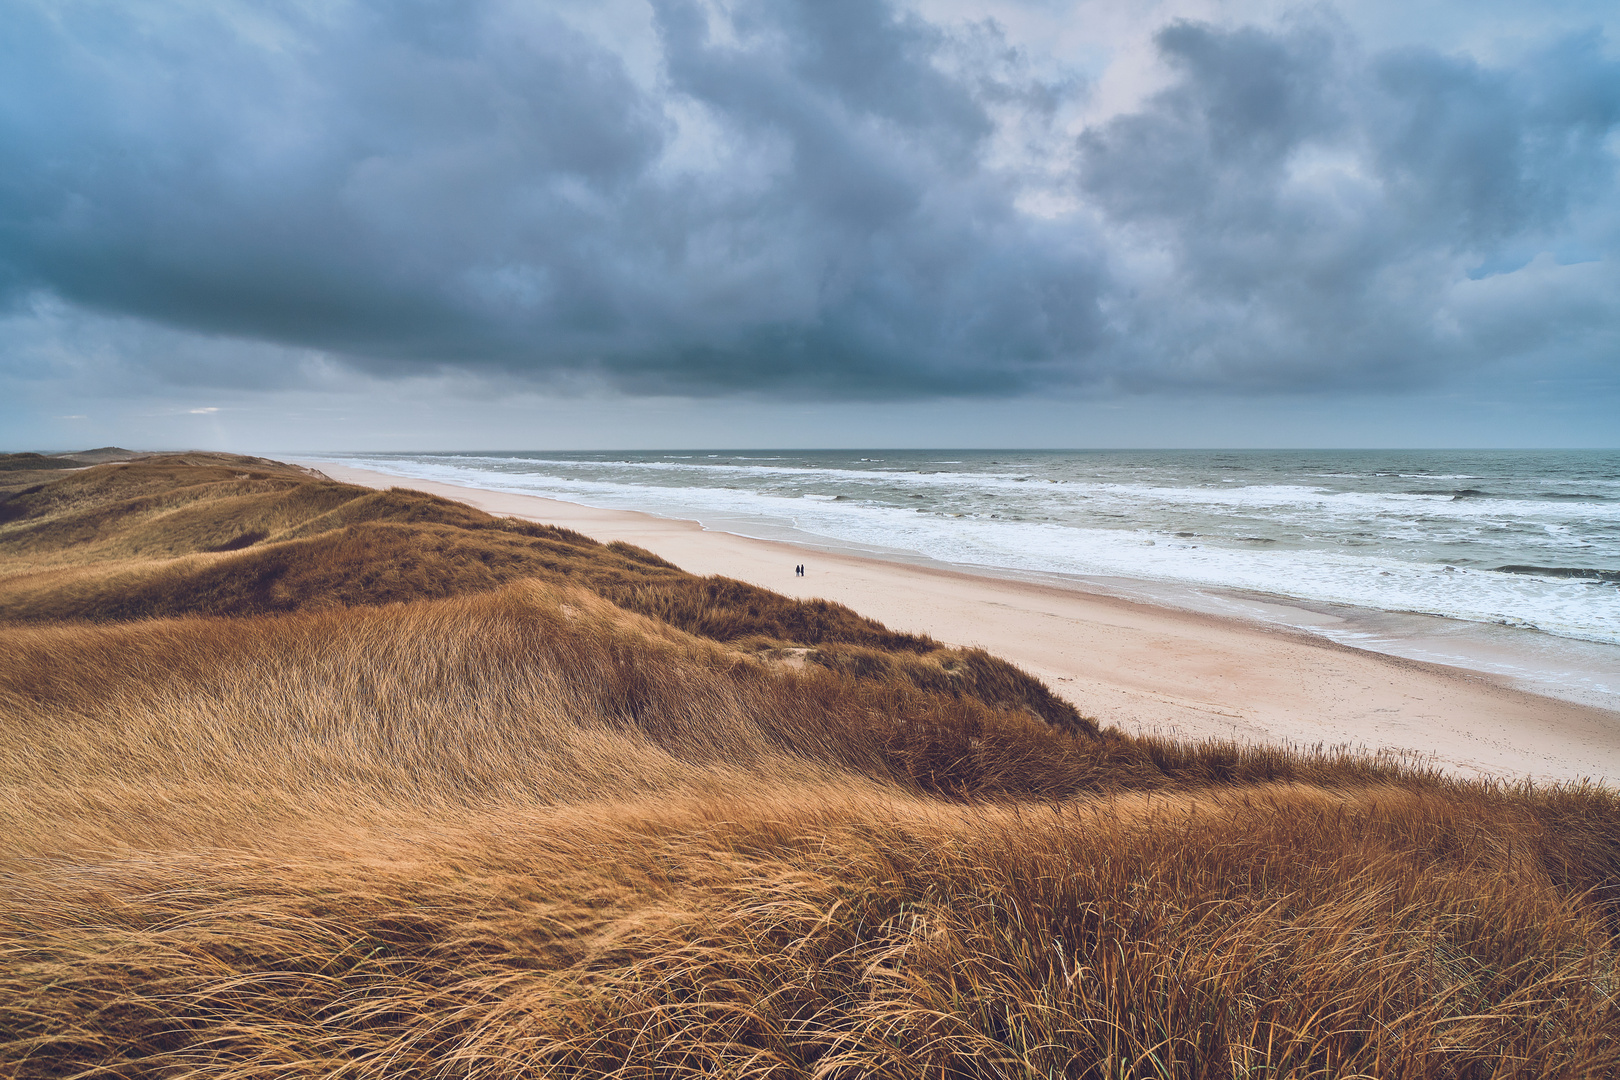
[805, 198]
[1318, 206]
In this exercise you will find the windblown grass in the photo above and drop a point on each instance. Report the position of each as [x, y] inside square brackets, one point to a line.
[593, 817]
[216, 535]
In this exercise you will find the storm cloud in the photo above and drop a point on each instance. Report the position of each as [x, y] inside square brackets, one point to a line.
[826, 198]
[1323, 216]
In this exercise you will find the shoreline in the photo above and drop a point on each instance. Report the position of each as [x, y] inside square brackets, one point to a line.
[1134, 664]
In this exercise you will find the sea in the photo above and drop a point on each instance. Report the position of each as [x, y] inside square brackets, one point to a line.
[1502, 562]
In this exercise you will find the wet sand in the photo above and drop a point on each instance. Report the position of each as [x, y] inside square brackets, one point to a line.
[1136, 665]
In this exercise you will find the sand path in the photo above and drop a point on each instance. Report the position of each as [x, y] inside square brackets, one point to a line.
[1139, 666]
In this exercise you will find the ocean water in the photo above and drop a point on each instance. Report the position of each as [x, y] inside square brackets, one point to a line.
[1501, 561]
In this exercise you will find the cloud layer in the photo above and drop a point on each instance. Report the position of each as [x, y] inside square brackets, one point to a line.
[823, 199]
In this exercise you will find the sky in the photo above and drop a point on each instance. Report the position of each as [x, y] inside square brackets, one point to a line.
[320, 225]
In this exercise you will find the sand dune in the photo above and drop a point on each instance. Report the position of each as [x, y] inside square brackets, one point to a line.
[303, 779]
[1142, 667]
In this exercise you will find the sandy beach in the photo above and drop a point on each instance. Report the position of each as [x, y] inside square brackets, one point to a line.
[1139, 666]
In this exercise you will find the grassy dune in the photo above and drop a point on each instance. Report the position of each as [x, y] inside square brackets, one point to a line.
[298, 778]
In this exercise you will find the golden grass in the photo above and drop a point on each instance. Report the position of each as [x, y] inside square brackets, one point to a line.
[526, 826]
[165, 536]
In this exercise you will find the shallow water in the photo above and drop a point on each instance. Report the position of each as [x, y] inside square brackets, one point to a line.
[1501, 561]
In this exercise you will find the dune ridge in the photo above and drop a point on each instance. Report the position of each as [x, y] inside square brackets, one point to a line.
[401, 788]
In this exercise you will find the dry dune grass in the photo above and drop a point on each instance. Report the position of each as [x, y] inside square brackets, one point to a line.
[581, 824]
[162, 537]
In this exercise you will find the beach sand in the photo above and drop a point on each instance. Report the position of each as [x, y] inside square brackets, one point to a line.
[1140, 666]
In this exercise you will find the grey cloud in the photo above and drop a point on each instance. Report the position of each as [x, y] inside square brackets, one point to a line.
[1222, 134]
[331, 193]
[426, 184]
[1482, 156]
[1319, 207]
[799, 202]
